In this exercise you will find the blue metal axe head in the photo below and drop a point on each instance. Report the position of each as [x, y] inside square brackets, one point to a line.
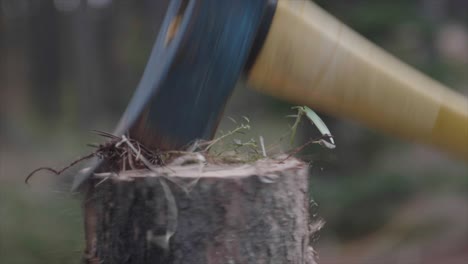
[202, 49]
[200, 53]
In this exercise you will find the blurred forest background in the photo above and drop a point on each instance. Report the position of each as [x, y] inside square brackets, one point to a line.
[70, 66]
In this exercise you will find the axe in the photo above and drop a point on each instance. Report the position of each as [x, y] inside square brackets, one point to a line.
[290, 49]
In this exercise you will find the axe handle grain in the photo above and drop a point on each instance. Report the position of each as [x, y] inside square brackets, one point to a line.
[313, 59]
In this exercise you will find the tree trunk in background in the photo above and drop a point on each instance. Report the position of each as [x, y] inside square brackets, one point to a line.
[434, 11]
[86, 64]
[45, 66]
[14, 70]
[216, 214]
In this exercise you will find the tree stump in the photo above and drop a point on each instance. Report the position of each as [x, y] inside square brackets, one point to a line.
[200, 214]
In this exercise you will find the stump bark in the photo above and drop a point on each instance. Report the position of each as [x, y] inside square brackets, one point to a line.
[200, 214]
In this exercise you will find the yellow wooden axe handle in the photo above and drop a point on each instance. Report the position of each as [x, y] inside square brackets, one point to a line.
[311, 58]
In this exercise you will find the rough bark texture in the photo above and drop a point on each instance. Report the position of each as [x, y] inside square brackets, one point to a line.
[222, 214]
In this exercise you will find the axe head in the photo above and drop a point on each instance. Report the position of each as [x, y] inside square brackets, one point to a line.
[202, 49]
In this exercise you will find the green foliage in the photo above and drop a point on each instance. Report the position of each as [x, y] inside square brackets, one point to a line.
[372, 18]
[38, 228]
[231, 146]
[317, 121]
[357, 205]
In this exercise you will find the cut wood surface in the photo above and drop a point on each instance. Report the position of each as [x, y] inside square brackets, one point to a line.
[200, 213]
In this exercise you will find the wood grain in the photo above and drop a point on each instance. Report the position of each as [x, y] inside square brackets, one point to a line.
[255, 213]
